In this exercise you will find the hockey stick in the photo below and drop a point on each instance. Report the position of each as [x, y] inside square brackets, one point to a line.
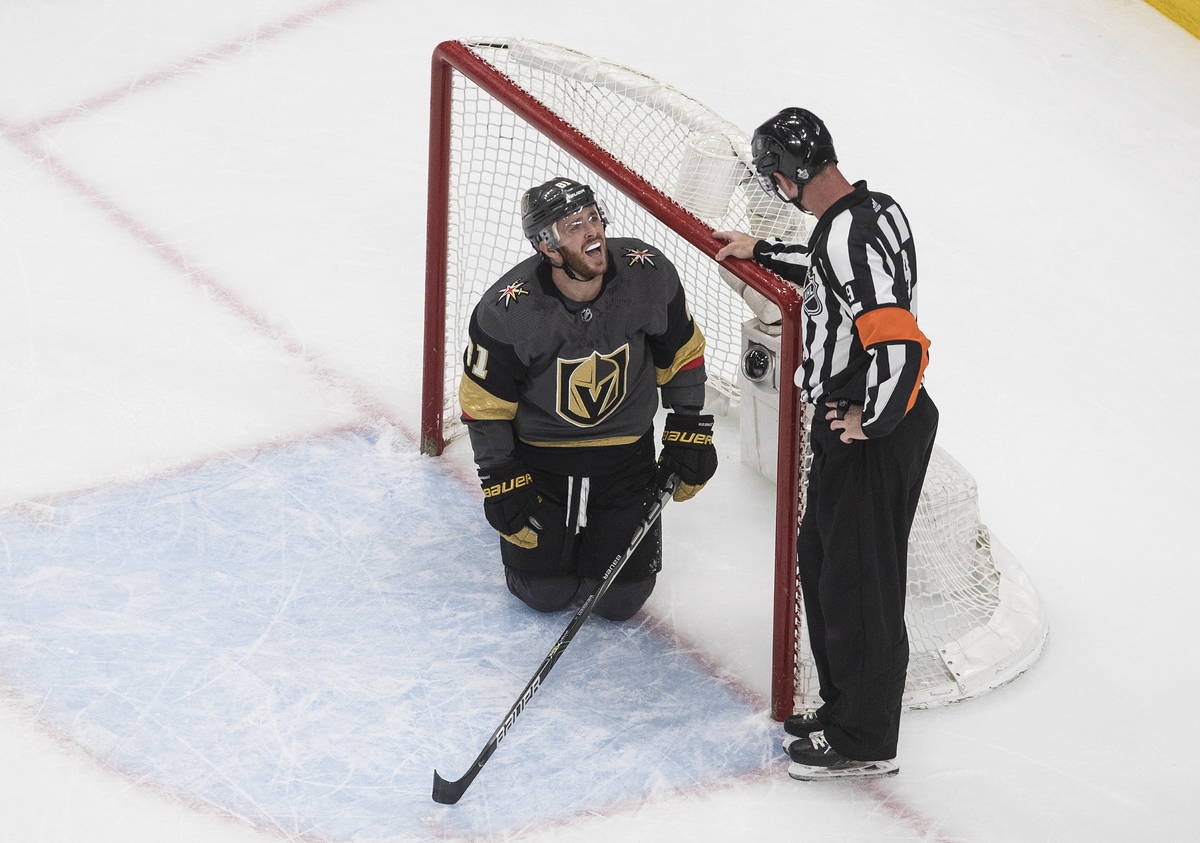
[448, 792]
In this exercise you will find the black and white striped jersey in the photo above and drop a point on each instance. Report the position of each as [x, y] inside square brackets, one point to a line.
[861, 340]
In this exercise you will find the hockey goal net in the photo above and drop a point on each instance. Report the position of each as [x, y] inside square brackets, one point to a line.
[509, 114]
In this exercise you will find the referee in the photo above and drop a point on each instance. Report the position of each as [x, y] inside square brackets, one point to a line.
[871, 438]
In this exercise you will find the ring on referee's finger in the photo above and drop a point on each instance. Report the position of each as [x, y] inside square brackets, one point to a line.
[843, 404]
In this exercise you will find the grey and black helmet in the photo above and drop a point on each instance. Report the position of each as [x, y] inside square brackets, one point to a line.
[546, 204]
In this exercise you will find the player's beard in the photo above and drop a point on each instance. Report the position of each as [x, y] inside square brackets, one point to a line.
[586, 269]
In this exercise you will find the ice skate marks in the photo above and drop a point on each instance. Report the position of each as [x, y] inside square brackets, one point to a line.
[300, 637]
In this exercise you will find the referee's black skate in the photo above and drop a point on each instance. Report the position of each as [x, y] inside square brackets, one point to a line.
[800, 726]
[815, 760]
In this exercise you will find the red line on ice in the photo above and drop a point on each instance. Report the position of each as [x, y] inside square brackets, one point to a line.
[192, 271]
[188, 64]
[926, 827]
[29, 509]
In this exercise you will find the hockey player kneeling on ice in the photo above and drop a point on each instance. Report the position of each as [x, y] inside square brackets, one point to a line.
[872, 437]
[567, 357]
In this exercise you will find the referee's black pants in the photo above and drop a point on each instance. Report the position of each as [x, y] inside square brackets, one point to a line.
[852, 550]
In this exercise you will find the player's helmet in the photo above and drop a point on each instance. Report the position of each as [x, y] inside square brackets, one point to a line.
[795, 143]
[546, 204]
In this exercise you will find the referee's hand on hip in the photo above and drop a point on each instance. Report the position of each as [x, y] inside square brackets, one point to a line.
[849, 421]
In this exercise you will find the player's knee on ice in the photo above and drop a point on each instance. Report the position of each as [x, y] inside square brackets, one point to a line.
[546, 593]
[553, 593]
[623, 598]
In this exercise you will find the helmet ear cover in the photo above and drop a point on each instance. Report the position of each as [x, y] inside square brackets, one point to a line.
[794, 143]
[767, 155]
[543, 206]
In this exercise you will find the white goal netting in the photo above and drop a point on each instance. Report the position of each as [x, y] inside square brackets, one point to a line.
[974, 621]
[671, 141]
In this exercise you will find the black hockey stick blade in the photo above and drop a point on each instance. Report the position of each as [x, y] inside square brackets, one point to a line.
[447, 792]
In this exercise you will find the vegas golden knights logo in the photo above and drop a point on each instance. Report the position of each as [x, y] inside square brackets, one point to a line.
[591, 388]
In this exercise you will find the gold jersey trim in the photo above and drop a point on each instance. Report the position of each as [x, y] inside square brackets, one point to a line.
[689, 351]
[478, 403]
[585, 443]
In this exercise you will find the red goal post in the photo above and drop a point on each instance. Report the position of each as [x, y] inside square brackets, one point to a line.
[508, 114]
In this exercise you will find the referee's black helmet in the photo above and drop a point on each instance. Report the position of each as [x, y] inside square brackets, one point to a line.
[796, 143]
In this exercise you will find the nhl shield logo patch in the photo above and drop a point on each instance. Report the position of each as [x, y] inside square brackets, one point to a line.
[813, 305]
[591, 388]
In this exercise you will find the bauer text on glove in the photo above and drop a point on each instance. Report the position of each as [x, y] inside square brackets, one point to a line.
[688, 451]
[509, 501]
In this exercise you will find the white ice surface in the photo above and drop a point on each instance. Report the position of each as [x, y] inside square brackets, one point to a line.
[215, 245]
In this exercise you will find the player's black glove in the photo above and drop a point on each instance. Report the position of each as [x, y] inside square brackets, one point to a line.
[687, 451]
[509, 502]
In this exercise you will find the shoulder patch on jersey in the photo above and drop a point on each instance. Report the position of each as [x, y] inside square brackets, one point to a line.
[510, 293]
[639, 256]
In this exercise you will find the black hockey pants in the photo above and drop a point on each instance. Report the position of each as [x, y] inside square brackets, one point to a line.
[587, 521]
[852, 550]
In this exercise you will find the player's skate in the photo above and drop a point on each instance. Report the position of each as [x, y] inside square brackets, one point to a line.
[814, 760]
[800, 726]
